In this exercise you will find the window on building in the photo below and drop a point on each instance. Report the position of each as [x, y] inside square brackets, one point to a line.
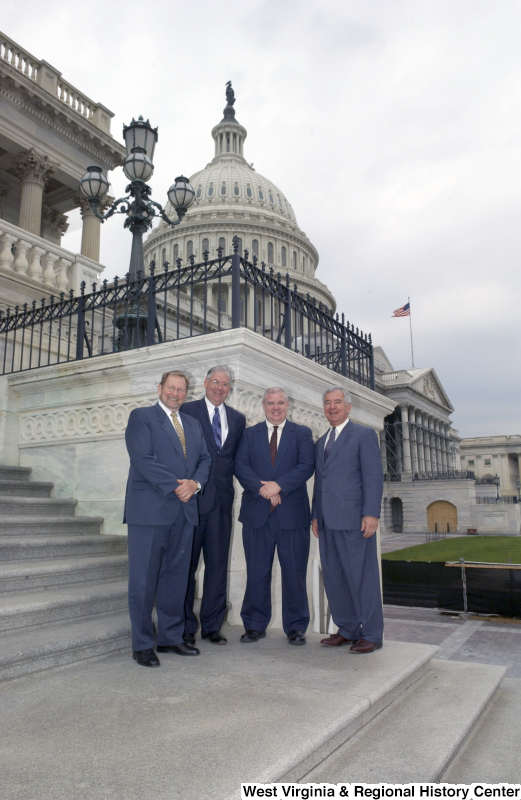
[283, 256]
[223, 189]
[176, 252]
[210, 190]
[199, 193]
[189, 248]
[280, 202]
[164, 255]
[270, 252]
[255, 247]
[236, 190]
[488, 462]
[294, 259]
[270, 196]
[248, 191]
[240, 246]
[261, 194]
[206, 246]
[222, 244]
[470, 462]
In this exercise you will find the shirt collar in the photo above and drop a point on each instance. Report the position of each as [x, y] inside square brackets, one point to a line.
[211, 408]
[340, 428]
[279, 427]
[167, 410]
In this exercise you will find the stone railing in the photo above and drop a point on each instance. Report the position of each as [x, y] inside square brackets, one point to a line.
[56, 269]
[50, 79]
[388, 376]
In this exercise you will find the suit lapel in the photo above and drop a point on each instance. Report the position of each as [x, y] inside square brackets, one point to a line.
[204, 419]
[263, 444]
[342, 439]
[170, 431]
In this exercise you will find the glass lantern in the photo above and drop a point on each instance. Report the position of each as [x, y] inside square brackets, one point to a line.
[181, 193]
[94, 183]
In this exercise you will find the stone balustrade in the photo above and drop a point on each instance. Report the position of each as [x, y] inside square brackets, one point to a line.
[56, 269]
[50, 79]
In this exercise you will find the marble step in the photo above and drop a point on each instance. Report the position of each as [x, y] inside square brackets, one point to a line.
[48, 526]
[22, 548]
[416, 737]
[27, 651]
[9, 473]
[17, 576]
[33, 506]
[17, 488]
[26, 609]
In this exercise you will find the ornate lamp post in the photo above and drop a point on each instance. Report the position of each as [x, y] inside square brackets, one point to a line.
[140, 141]
[140, 210]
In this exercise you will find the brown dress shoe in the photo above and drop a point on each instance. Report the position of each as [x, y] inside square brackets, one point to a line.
[363, 646]
[335, 640]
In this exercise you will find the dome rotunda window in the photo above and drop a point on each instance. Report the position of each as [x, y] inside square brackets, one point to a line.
[206, 246]
[210, 190]
[222, 244]
[270, 252]
[236, 190]
[280, 203]
[199, 193]
[255, 247]
[248, 191]
[176, 252]
[223, 189]
[261, 194]
[189, 248]
[270, 196]
[283, 256]
[294, 260]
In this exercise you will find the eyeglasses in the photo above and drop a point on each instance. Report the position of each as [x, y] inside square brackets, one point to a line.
[216, 384]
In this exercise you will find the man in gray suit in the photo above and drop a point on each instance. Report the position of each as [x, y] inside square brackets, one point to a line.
[346, 507]
[169, 464]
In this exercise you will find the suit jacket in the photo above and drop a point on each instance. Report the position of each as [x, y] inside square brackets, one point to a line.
[220, 482]
[294, 465]
[349, 485]
[157, 461]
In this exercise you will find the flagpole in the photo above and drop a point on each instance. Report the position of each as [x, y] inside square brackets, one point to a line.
[410, 326]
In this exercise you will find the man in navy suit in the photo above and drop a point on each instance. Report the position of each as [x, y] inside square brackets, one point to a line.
[346, 507]
[273, 462]
[169, 464]
[222, 427]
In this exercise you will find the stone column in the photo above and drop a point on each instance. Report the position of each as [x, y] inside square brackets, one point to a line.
[34, 171]
[90, 234]
[406, 443]
[413, 434]
[419, 441]
[437, 444]
[427, 444]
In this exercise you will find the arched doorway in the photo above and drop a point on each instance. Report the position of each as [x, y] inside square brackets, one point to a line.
[442, 517]
[397, 514]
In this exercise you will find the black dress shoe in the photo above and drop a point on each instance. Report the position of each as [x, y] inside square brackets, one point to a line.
[252, 636]
[183, 649]
[297, 637]
[147, 658]
[214, 637]
[189, 638]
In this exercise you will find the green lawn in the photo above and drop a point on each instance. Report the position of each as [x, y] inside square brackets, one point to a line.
[497, 549]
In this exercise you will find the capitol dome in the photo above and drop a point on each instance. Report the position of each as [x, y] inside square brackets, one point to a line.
[232, 199]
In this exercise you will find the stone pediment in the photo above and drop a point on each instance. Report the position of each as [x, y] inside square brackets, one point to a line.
[428, 384]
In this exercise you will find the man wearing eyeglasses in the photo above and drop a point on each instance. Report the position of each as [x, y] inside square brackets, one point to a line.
[222, 427]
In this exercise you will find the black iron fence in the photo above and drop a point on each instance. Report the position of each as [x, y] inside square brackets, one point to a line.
[447, 475]
[172, 304]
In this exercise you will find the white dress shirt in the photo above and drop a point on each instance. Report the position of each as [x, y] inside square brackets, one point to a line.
[169, 412]
[338, 431]
[224, 420]
[279, 431]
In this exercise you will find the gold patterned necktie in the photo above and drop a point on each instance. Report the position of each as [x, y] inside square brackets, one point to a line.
[179, 430]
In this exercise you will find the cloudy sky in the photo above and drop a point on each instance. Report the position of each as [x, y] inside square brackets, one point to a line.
[392, 126]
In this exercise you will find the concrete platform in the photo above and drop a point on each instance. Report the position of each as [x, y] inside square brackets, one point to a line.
[197, 727]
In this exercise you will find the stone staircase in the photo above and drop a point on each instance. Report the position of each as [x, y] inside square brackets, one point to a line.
[63, 588]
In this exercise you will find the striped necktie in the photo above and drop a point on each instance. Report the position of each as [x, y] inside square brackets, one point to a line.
[216, 428]
[329, 444]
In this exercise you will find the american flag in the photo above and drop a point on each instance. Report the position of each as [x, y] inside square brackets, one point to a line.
[404, 311]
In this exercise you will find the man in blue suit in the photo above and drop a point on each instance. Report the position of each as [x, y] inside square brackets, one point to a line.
[222, 427]
[169, 464]
[346, 507]
[273, 462]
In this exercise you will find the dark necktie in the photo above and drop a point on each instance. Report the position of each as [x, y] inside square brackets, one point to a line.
[273, 444]
[216, 427]
[329, 444]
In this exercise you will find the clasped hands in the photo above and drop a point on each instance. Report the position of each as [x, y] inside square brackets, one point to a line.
[186, 490]
[271, 490]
